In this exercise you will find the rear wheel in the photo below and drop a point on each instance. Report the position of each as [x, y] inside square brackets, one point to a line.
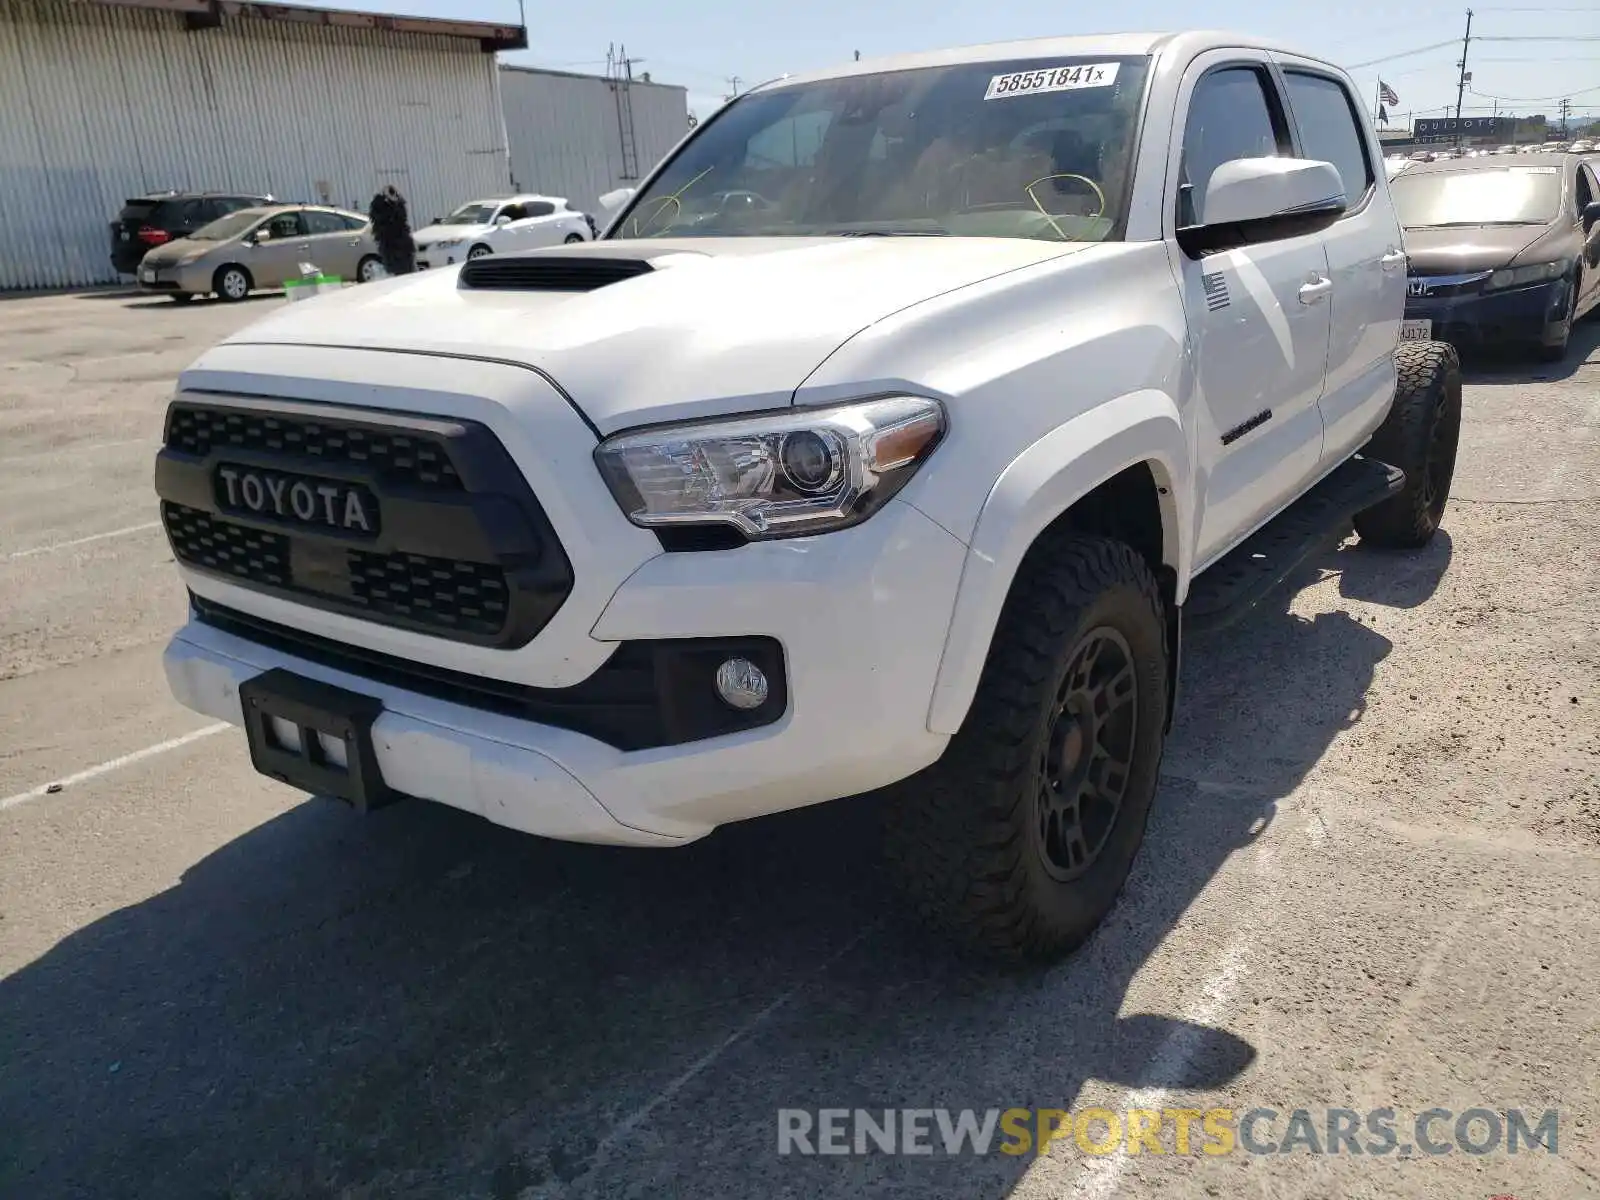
[573, 237]
[1019, 839]
[231, 283]
[370, 268]
[1419, 436]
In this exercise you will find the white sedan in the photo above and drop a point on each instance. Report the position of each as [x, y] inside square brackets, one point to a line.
[499, 227]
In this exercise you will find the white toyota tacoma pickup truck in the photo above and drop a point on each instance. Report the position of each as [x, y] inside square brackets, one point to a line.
[908, 469]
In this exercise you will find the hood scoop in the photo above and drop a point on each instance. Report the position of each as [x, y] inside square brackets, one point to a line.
[551, 272]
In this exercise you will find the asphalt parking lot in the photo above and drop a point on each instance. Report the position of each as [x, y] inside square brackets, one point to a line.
[1372, 880]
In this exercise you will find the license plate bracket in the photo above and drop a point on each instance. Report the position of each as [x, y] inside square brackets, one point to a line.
[1416, 330]
[317, 717]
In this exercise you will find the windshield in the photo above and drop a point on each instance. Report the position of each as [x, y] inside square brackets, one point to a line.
[226, 227]
[1029, 148]
[1503, 196]
[471, 214]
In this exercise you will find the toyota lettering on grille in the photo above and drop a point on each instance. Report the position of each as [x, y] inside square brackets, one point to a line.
[301, 500]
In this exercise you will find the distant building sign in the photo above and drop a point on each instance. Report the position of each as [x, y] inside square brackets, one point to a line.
[1433, 129]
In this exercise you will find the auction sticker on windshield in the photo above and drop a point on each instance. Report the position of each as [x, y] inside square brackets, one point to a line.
[1052, 79]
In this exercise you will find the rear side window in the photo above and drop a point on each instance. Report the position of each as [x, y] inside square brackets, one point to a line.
[323, 222]
[1233, 113]
[1329, 130]
[538, 208]
[352, 222]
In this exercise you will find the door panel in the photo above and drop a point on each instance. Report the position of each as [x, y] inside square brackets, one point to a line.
[1366, 262]
[1258, 316]
[279, 258]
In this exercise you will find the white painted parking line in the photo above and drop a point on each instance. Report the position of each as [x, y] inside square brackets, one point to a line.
[105, 768]
[93, 537]
[92, 448]
[1101, 1177]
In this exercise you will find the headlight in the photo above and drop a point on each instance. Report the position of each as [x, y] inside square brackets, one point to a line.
[444, 243]
[774, 475]
[1511, 277]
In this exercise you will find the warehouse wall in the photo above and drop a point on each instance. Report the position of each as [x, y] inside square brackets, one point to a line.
[563, 133]
[97, 104]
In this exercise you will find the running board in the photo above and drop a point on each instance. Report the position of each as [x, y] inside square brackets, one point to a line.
[1249, 572]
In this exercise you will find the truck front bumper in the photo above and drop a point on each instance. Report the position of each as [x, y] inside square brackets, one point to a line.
[861, 614]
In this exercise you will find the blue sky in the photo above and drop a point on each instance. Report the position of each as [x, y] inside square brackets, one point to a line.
[700, 46]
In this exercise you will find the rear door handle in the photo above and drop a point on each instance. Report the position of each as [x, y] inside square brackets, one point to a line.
[1393, 259]
[1311, 293]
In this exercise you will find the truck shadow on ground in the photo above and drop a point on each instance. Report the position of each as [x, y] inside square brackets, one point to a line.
[423, 1005]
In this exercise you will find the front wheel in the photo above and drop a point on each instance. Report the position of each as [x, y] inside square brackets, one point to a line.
[573, 237]
[1419, 436]
[478, 251]
[1019, 839]
[1558, 336]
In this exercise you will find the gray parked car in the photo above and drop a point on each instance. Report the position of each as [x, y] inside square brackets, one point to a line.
[261, 248]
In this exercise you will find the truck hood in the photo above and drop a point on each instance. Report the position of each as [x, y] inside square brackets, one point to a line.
[1458, 250]
[718, 326]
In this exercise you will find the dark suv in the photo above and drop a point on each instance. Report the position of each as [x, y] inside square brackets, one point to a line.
[161, 217]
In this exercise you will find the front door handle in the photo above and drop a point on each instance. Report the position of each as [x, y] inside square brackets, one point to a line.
[1311, 293]
[1393, 259]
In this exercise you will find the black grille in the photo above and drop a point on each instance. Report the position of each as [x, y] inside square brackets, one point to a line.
[454, 544]
[441, 594]
[200, 539]
[551, 273]
[396, 458]
[446, 592]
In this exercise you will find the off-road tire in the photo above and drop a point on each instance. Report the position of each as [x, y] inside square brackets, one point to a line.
[964, 836]
[1420, 436]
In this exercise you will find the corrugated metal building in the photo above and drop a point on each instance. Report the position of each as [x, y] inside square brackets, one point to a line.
[580, 136]
[105, 99]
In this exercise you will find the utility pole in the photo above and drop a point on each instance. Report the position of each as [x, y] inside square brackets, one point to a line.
[1461, 83]
[1566, 107]
[734, 81]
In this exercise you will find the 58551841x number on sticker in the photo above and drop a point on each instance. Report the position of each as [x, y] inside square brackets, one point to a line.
[1052, 79]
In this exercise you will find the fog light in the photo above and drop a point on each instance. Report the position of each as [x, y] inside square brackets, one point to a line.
[741, 684]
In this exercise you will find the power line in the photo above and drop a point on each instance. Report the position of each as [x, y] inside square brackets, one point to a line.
[1534, 99]
[1543, 37]
[1372, 62]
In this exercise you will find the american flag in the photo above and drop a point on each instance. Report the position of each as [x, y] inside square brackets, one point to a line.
[1387, 94]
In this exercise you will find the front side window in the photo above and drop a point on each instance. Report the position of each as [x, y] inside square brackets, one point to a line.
[1497, 196]
[1329, 131]
[1232, 114]
[286, 225]
[1016, 148]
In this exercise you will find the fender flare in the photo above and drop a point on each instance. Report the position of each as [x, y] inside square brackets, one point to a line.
[1038, 486]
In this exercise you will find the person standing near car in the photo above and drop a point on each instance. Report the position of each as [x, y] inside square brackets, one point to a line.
[392, 231]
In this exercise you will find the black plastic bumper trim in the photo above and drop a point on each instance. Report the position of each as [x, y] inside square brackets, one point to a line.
[646, 695]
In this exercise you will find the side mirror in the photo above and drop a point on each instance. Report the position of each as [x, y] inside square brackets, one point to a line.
[612, 201]
[1252, 200]
[503, 219]
[1591, 214]
[260, 235]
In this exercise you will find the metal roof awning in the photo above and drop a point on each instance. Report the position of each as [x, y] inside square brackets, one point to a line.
[210, 14]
